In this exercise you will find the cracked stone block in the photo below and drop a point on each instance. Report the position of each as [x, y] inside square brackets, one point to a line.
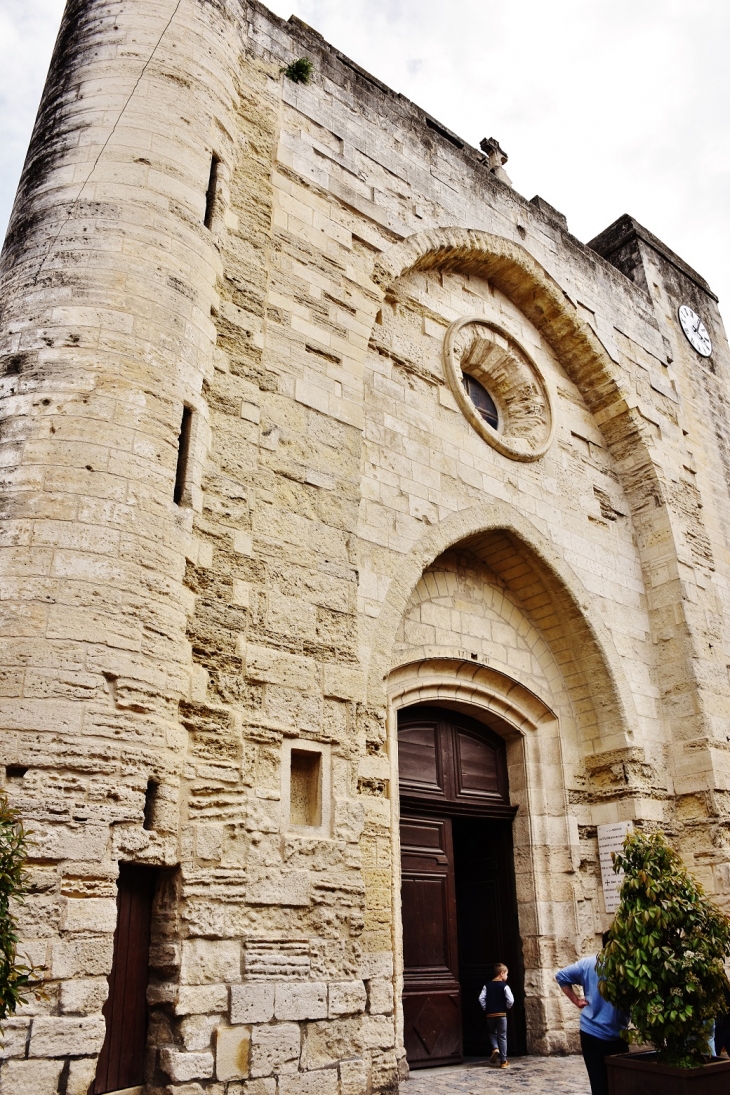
[304, 1001]
[347, 997]
[252, 1003]
[186, 1066]
[275, 1048]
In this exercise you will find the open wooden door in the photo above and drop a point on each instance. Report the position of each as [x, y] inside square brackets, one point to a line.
[431, 1001]
[457, 884]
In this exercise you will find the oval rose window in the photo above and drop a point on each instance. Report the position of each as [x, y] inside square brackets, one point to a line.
[499, 388]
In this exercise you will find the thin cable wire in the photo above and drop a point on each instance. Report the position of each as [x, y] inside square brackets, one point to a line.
[87, 180]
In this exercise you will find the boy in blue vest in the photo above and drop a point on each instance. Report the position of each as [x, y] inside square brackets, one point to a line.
[496, 999]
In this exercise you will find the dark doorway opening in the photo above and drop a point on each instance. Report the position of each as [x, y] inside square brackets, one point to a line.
[487, 930]
[458, 892]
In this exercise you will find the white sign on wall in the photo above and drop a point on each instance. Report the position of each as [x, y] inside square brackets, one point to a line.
[611, 839]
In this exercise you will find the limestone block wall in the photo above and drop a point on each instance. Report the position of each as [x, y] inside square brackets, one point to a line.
[108, 277]
[202, 665]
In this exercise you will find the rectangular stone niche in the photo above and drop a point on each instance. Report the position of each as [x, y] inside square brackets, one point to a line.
[305, 801]
[305, 790]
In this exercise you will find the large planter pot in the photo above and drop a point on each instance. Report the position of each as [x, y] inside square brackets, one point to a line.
[639, 1074]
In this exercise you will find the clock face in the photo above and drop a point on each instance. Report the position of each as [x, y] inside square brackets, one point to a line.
[695, 330]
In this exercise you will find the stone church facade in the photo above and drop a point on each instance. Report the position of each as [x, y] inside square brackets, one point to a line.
[257, 534]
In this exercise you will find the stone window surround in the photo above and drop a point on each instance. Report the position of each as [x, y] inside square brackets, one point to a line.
[519, 389]
[304, 745]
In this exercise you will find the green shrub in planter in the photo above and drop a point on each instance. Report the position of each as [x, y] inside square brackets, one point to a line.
[664, 958]
[18, 981]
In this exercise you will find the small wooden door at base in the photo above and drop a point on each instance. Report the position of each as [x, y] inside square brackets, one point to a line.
[431, 994]
[121, 1061]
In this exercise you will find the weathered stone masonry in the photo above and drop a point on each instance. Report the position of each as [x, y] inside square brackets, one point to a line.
[209, 687]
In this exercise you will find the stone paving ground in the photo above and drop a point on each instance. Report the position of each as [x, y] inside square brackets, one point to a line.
[526, 1076]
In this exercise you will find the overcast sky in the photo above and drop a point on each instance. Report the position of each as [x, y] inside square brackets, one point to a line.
[604, 106]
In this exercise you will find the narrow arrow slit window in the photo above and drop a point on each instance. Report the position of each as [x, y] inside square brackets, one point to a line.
[211, 192]
[183, 456]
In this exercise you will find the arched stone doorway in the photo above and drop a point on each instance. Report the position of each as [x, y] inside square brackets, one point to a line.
[458, 894]
[490, 632]
[519, 725]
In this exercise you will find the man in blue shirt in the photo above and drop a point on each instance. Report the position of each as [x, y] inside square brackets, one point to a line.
[600, 1022]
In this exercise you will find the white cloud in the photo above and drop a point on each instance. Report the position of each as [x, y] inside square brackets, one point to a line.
[604, 106]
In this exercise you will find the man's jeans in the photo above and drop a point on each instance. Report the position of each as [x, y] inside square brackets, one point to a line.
[595, 1050]
[497, 1028]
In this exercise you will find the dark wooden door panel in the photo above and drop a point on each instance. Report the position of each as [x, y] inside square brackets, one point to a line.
[419, 757]
[477, 768]
[458, 899]
[426, 950]
[452, 760]
[422, 837]
[428, 900]
[432, 1028]
[432, 1010]
[121, 1062]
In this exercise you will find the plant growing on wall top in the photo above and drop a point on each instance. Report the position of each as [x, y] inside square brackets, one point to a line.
[18, 981]
[300, 71]
[664, 958]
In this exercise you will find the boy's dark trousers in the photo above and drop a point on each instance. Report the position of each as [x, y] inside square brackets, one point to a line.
[497, 1030]
[595, 1050]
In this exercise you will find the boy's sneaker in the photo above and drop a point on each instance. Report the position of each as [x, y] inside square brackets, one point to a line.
[494, 1059]
[504, 1064]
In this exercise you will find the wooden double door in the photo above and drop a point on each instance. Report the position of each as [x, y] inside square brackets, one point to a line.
[457, 878]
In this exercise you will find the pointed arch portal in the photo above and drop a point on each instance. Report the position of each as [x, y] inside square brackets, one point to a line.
[585, 691]
[516, 894]
[466, 739]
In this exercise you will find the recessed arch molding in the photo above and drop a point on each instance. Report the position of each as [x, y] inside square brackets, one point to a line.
[513, 270]
[473, 687]
[577, 604]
